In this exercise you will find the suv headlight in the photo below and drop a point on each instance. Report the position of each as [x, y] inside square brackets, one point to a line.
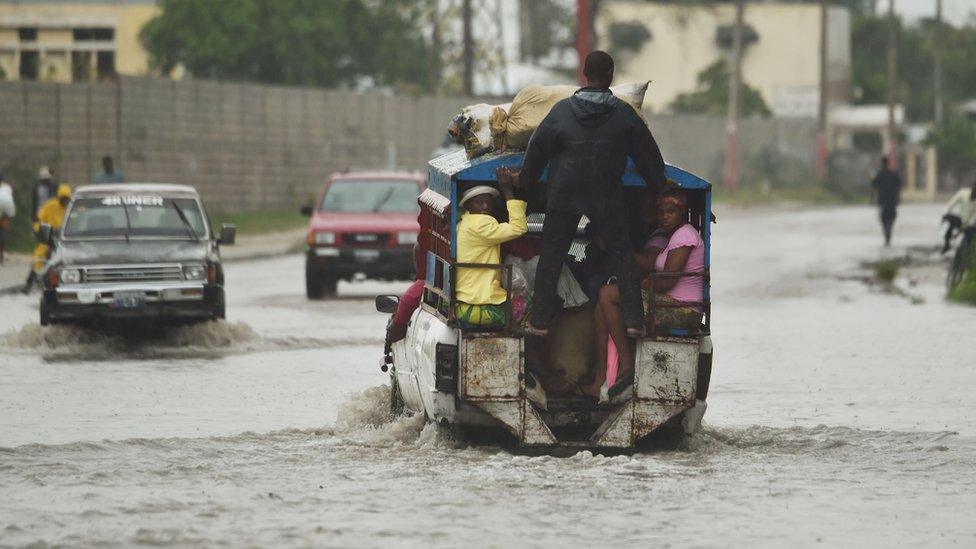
[324, 238]
[407, 238]
[70, 276]
[194, 272]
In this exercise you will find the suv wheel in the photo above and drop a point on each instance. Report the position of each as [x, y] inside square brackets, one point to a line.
[45, 314]
[220, 308]
[396, 399]
[313, 283]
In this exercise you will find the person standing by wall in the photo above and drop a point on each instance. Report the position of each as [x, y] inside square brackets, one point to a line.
[109, 174]
[43, 190]
[8, 209]
[886, 191]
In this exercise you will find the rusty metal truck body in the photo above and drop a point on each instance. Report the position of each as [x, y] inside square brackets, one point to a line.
[477, 379]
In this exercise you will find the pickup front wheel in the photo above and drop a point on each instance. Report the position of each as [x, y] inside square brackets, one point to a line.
[318, 285]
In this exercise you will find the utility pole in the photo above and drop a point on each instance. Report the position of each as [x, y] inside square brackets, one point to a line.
[468, 46]
[822, 112]
[583, 44]
[732, 150]
[937, 63]
[892, 73]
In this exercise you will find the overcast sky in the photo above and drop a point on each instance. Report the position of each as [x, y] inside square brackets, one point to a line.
[956, 12]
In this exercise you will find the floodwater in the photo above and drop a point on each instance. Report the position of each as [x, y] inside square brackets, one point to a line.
[839, 414]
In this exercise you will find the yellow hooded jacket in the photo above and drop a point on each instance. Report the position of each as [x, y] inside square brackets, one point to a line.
[52, 213]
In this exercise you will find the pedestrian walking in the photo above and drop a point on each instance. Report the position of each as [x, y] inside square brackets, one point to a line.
[43, 190]
[586, 140]
[886, 191]
[109, 174]
[8, 209]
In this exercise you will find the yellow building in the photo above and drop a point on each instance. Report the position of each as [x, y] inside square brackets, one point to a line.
[73, 41]
[781, 57]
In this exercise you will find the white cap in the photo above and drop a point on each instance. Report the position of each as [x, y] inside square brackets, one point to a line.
[44, 173]
[477, 190]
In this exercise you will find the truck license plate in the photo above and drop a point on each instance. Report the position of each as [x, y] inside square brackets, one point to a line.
[366, 256]
[129, 300]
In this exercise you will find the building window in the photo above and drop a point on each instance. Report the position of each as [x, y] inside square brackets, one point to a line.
[97, 33]
[27, 34]
[105, 65]
[81, 66]
[29, 65]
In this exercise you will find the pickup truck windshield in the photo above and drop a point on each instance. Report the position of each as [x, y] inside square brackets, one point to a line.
[147, 216]
[370, 196]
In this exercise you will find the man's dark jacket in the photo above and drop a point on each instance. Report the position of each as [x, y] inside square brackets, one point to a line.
[887, 185]
[586, 140]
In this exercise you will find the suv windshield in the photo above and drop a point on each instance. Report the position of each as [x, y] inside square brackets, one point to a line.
[370, 196]
[134, 216]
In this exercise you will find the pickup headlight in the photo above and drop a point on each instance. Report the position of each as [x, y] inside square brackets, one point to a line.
[407, 238]
[70, 276]
[194, 272]
[324, 238]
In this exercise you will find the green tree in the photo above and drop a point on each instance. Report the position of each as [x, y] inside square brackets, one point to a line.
[914, 86]
[712, 95]
[956, 142]
[328, 43]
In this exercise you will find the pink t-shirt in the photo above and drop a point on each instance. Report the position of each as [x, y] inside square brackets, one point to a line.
[688, 288]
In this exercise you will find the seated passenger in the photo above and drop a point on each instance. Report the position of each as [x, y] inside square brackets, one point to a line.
[479, 240]
[676, 247]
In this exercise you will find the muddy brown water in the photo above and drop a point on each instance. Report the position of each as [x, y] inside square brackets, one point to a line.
[838, 414]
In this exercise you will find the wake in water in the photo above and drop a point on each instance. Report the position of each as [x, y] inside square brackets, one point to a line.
[81, 342]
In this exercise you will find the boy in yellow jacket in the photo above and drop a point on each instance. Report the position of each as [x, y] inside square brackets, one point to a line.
[479, 240]
[50, 213]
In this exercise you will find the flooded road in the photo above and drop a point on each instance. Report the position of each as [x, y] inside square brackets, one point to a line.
[839, 413]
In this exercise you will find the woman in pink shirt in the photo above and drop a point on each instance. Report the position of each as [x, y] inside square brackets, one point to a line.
[676, 247]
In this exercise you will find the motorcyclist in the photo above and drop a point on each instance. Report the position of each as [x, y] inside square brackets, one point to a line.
[959, 214]
[50, 213]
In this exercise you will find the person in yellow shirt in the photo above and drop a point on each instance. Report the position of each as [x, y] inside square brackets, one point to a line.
[479, 239]
[51, 213]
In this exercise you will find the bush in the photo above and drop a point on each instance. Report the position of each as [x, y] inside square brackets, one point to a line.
[886, 271]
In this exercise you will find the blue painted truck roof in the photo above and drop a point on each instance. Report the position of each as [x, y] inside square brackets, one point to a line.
[455, 166]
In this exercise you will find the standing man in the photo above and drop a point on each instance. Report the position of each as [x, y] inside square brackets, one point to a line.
[586, 140]
[886, 188]
[43, 190]
[109, 174]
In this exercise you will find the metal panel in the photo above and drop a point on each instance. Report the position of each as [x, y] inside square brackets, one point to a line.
[491, 367]
[535, 432]
[667, 371]
[617, 430]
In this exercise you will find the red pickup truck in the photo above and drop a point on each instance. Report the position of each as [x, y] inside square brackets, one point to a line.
[362, 222]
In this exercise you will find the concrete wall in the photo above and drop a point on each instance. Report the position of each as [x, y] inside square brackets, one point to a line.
[245, 146]
[250, 147]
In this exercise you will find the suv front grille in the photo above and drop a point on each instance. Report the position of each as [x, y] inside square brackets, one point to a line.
[366, 240]
[137, 273]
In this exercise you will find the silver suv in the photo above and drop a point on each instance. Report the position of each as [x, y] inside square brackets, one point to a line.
[134, 251]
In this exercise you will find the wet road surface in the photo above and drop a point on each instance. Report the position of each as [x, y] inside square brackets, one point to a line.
[839, 413]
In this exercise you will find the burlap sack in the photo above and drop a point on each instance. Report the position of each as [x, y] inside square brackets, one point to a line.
[511, 128]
